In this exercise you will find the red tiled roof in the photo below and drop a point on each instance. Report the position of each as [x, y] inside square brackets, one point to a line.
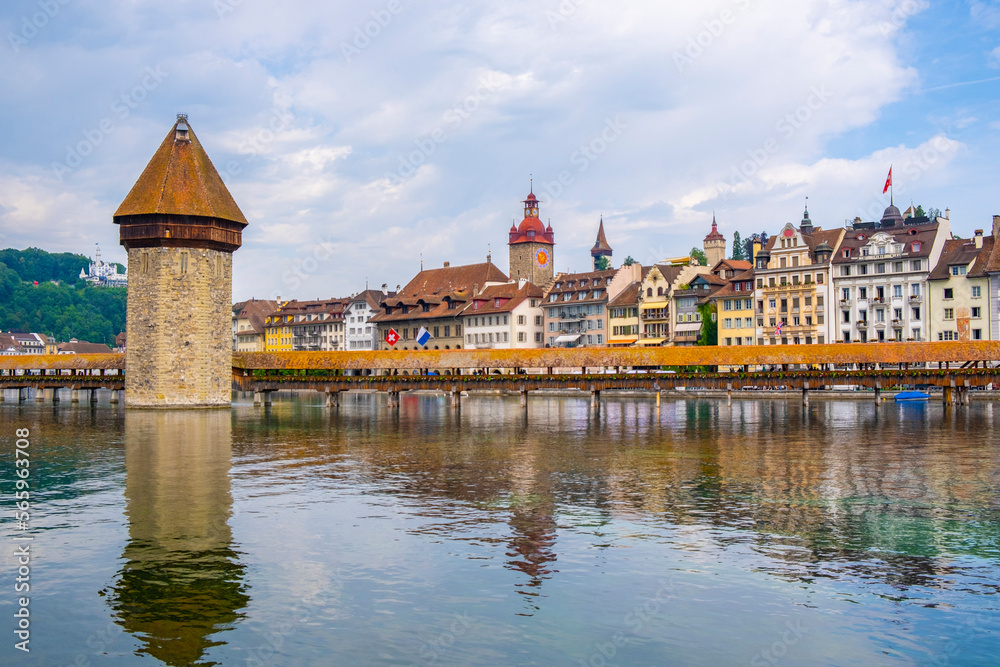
[627, 297]
[439, 288]
[83, 347]
[510, 298]
[256, 310]
[180, 179]
[963, 252]
[714, 235]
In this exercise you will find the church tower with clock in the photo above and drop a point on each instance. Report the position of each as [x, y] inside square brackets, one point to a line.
[531, 246]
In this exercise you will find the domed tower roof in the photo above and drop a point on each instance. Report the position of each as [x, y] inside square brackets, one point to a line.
[531, 229]
[806, 226]
[892, 217]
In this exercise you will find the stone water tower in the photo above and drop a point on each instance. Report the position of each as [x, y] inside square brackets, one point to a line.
[180, 227]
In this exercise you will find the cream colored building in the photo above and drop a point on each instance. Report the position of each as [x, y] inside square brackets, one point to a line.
[793, 289]
[958, 294]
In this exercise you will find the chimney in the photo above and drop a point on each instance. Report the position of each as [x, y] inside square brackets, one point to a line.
[996, 228]
[979, 238]
[447, 264]
[475, 289]
[947, 214]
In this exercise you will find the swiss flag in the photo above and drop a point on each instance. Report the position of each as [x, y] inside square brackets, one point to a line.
[392, 337]
[888, 182]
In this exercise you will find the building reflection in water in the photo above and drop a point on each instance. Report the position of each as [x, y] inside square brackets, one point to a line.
[532, 522]
[182, 582]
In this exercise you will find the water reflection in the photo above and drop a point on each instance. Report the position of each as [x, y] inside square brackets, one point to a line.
[182, 582]
[532, 522]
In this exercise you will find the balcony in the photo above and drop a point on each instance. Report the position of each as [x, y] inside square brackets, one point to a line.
[897, 324]
[845, 302]
[878, 299]
[916, 298]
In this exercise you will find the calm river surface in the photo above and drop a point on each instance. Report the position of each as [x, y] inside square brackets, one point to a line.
[763, 533]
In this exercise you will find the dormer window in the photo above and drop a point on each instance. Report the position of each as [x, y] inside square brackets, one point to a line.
[916, 245]
[847, 253]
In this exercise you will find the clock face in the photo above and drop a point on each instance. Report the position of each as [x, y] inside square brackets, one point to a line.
[542, 258]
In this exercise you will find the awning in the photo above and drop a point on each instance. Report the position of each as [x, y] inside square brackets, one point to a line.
[651, 341]
[688, 326]
[654, 306]
[622, 341]
[568, 339]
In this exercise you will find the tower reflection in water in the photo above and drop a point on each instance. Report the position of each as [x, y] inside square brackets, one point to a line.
[182, 582]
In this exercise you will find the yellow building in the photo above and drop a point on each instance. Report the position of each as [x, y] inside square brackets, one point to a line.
[623, 317]
[735, 308]
[655, 294]
[278, 332]
[794, 286]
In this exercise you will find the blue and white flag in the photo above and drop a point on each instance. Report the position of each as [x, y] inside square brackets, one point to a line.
[423, 336]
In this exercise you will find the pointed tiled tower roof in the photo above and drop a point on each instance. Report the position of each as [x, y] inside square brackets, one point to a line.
[601, 246]
[180, 179]
[180, 200]
[714, 235]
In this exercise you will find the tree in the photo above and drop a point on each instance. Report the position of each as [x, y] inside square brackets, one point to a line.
[920, 211]
[699, 255]
[738, 252]
[934, 213]
[709, 334]
[603, 263]
[629, 261]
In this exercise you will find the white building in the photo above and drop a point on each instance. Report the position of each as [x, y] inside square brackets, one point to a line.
[880, 274]
[103, 274]
[505, 316]
[361, 333]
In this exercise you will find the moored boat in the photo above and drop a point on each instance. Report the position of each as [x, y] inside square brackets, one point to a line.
[912, 396]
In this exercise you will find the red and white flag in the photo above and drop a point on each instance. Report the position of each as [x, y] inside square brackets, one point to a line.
[392, 337]
[888, 182]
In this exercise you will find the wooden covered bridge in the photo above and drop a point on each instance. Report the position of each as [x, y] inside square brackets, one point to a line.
[956, 367]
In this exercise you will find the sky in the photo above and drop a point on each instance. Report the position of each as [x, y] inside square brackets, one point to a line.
[359, 138]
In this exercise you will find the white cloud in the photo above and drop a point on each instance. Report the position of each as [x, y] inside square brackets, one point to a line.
[325, 149]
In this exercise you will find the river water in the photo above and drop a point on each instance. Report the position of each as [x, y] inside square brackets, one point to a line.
[693, 533]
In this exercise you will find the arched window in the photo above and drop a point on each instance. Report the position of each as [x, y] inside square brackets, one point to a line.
[659, 291]
[649, 291]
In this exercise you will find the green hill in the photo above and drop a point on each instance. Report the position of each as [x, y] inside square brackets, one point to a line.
[71, 309]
